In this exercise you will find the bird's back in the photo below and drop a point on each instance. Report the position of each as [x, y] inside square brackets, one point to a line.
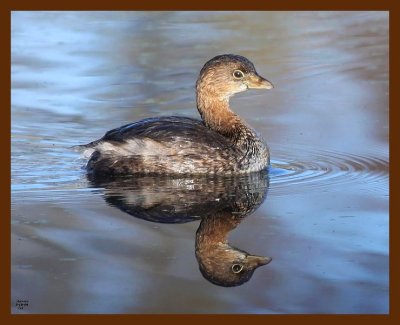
[172, 145]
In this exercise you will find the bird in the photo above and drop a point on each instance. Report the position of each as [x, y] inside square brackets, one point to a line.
[218, 143]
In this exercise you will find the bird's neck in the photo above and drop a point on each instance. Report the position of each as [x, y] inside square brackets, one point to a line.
[218, 116]
[214, 230]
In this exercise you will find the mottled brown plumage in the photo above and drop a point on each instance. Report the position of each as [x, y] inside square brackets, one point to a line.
[219, 144]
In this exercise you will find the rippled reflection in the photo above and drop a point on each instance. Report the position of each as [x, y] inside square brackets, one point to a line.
[221, 203]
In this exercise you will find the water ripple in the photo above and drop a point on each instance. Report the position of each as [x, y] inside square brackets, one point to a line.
[324, 169]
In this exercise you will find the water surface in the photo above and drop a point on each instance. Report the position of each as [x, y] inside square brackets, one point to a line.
[324, 221]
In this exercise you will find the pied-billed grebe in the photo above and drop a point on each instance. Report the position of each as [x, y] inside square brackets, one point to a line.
[219, 144]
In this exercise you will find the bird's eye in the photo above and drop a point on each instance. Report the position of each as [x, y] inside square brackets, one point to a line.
[236, 268]
[238, 74]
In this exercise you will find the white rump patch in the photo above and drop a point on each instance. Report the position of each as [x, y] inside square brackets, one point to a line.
[87, 153]
[142, 147]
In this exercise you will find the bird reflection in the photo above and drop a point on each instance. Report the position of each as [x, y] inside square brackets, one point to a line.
[219, 262]
[220, 203]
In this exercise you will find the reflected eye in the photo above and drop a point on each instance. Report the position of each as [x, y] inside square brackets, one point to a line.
[238, 74]
[236, 268]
